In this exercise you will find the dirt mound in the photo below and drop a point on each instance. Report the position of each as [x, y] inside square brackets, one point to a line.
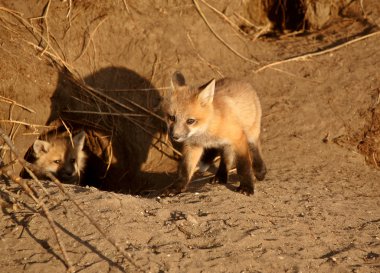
[85, 61]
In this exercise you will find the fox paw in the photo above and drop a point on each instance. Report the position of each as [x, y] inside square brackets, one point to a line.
[246, 190]
[173, 190]
[218, 180]
[260, 172]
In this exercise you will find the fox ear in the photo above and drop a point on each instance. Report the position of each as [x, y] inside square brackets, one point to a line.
[177, 80]
[78, 140]
[206, 95]
[40, 147]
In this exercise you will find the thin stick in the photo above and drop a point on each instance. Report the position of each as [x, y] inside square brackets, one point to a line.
[129, 118]
[218, 36]
[362, 7]
[154, 67]
[63, 190]
[25, 123]
[85, 46]
[68, 131]
[44, 18]
[41, 204]
[153, 136]
[246, 20]
[213, 67]
[103, 113]
[318, 53]
[375, 160]
[69, 11]
[135, 89]
[234, 26]
[10, 101]
[145, 109]
[54, 55]
[126, 6]
[34, 177]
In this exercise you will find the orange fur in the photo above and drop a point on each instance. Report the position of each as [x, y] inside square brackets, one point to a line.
[225, 115]
[61, 157]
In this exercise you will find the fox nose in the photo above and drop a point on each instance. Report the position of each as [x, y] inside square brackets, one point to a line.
[174, 136]
[67, 173]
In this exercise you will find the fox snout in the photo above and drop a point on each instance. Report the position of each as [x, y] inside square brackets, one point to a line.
[176, 136]
[67, 174]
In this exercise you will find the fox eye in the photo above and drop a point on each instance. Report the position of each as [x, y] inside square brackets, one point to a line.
[57, 161]
[171, 118]
[190, 121]
[72, 160]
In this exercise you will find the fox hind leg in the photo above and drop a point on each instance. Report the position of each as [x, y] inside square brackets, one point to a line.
[258, 164]
[226, 162]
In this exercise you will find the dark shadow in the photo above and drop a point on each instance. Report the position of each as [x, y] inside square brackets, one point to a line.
[24, 222]
[92, 248]
[119, 110]
[287, 15]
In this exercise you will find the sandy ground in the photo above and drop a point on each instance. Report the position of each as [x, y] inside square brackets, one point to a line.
[318, 208]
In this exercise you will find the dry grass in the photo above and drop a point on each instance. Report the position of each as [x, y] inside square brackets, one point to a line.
[41, 41]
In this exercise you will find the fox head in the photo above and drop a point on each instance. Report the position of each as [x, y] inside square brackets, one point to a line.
[188, 110]
[61, 157]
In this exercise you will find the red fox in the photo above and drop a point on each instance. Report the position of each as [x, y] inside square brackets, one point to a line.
[59, 156]
[223, 115]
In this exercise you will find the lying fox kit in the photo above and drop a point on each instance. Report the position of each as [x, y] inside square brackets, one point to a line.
[224, 115]
[60, 157]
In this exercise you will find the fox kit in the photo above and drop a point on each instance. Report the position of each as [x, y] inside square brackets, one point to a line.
[60, 156]
[222, 115]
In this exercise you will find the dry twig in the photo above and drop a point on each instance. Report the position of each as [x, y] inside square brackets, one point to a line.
[126, 6]
[38, 201]
[213, 67]
[318, 53]
[90, 36]
[44, 17]
[218, 36]
[232, 24]
[10, 101]
[26, 164]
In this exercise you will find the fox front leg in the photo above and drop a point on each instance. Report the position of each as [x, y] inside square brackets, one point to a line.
[191, 156]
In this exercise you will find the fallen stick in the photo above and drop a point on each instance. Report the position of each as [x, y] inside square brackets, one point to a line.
[318, 53]
[26, 164]
[218, 36]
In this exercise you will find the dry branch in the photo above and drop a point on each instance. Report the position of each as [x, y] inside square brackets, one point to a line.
[32, 167]
[213, 67]
[42, 205]
[218, 36]
[90, 37]
[233, 25]
[10, 101]
[37, 200]
[51, 53]
[54, 54]
[44, 17]
[25, 123]
[318, 53]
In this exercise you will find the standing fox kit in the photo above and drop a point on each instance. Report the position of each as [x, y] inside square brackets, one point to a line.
[61, 156]
[225, 115]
